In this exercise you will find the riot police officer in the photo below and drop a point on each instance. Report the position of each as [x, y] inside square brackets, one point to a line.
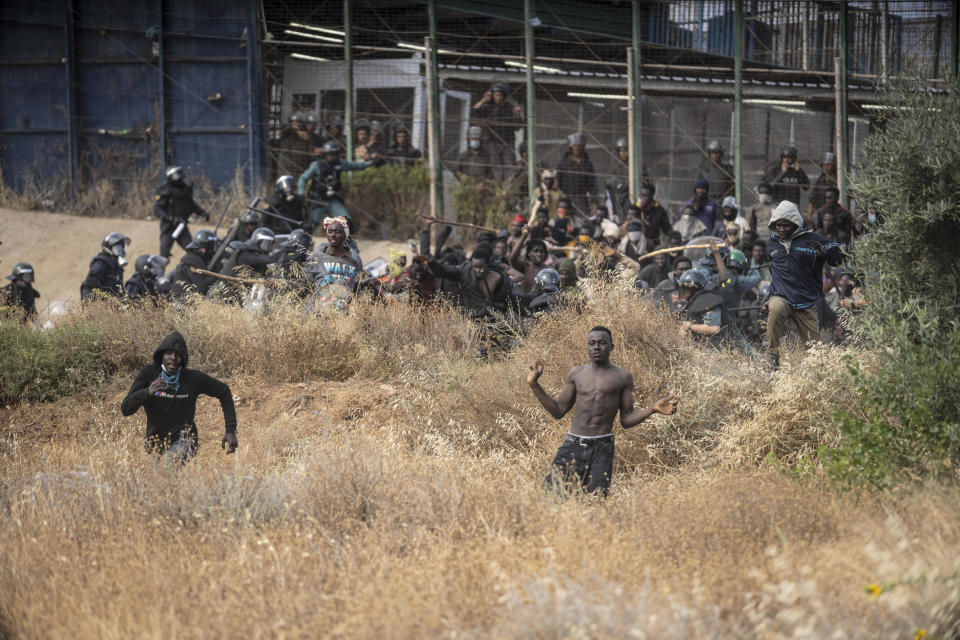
[106, 268]
[249, 222]
[285, 201]
[199, 253]
[174, 205]
[255, 254]
[147, 279]
[20, 291]
[322, 187]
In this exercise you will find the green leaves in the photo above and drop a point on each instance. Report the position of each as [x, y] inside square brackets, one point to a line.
[909, 427]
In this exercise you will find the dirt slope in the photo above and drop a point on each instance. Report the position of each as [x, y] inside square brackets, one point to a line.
[60, 247]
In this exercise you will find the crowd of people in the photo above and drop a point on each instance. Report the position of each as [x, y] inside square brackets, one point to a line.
[743, 265]
[732, 278]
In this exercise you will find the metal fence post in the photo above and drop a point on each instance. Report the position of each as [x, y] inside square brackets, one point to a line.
[348, 88]
[433, 113]
[161, 91]
[635, 140]
[73, 124]
[843, 150]
[254, 157]
[738, 100]
[530, 139]
[433, 131]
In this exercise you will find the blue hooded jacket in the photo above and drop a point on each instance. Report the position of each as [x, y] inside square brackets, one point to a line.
[796, 264]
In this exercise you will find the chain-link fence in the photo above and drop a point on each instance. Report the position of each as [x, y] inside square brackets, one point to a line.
[580, 87]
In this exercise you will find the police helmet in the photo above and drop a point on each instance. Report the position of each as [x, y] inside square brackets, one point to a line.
[336, 121]
[330, 147]
[297, 117]
[692, 279]
[21, 271]
[113, 244]
[376, 125]
[737, 259]
[250, 217]
[302, 238]
[204, 239]
[474, 132]
[763, 291]
[574, 139]
[285, 185]
[262, 238]
[829, 158]
[361, 123]
[310, 117]
[547, 281]
[150, 265]
[622, 143]
[499, 87]
[175, 174]
[789, 152]
[729, 203]
[714, 145]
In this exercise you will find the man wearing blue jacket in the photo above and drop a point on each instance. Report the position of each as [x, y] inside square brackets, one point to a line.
[320, 183]
[797, 256]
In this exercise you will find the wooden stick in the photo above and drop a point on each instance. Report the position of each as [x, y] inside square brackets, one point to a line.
[204, 272]
[458, 224]
[681, 248]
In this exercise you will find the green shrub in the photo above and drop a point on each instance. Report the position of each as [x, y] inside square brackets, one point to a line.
[484, 202]
[909, 424]
[41, 365]
[389, 199]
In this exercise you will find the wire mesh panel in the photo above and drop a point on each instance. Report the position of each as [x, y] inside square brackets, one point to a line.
[376, 104]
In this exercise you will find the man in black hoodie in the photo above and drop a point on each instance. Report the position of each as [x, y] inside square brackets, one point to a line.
[168, 392]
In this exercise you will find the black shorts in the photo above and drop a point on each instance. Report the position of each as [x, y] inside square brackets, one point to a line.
[582, 463]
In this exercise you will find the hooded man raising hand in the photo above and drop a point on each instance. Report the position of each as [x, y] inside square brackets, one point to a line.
[167, 390]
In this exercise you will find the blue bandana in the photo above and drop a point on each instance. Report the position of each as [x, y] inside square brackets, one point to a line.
[172, 380]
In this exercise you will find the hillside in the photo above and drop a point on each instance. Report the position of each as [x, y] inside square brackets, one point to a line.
[60, 246]
[388, 485]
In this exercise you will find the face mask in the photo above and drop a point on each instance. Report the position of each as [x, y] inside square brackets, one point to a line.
[872, 218]
[635, 235]
[474, 144]
[766, 198]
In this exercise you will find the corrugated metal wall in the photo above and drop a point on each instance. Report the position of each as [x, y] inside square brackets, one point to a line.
[95, 89]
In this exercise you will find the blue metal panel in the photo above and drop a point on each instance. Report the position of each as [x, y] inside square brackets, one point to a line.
[116, 96]
[33, 105]
[215, 155]
[120, 73]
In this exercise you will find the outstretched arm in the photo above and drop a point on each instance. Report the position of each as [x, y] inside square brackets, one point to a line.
[556, 407]
[631, 417]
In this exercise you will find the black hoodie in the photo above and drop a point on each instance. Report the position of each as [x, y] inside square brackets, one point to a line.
[169, 412]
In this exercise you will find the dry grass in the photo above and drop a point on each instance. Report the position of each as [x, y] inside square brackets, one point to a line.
[387, 486]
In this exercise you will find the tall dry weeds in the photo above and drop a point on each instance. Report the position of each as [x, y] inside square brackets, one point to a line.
[387, 486]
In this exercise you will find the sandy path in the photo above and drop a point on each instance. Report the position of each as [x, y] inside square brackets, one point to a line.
[60, 247]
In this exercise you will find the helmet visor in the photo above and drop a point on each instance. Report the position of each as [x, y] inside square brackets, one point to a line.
[25, 274]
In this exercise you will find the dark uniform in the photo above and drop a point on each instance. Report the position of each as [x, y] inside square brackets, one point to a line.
[105, 275]
[21, 294]
[184, 278]
[139, 287]
[293, 207]
[174, 205]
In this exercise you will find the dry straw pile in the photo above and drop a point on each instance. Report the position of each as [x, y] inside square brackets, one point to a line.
[388, 486]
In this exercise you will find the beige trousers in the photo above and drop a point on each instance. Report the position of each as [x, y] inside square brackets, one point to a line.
[806, 320]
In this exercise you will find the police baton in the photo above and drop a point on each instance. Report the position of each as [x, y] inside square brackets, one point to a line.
[230, 236]
[274, 215]
[224, 212]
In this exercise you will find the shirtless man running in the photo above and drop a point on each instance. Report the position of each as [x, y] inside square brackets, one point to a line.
[602, 390]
